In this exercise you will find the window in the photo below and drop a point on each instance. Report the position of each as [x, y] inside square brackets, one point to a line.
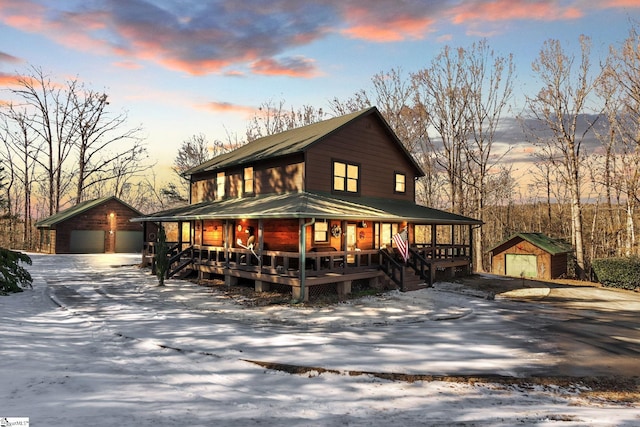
[321, 232]
[400, 185]
[248, 180]
[386, 233]
[220, 185]
[346, 177]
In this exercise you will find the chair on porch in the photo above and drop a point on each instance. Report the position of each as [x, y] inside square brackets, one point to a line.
[250, 246]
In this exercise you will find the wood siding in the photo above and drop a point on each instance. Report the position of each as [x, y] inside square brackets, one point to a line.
[279, 175]
[549, 267]
[97, 218]
[366, 143]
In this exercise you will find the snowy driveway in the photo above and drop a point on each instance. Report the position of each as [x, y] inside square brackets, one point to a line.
[424, 332]
[110, 357]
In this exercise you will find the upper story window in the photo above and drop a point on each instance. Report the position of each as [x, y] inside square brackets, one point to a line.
[248, 180]
[401, 183]
[346, 177]
[220, 186]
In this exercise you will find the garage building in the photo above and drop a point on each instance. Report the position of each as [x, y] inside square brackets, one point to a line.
[532, 255]
[95, 226]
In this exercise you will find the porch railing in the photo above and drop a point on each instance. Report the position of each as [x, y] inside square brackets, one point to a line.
[423, 259]
[283, 262]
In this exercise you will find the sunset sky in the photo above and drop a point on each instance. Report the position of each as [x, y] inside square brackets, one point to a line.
[196, 66]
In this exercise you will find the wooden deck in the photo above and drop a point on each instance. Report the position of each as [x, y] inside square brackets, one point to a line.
[342, 268]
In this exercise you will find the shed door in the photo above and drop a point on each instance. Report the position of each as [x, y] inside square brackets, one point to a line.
[128, 241]
[521, 265]
[87, 242]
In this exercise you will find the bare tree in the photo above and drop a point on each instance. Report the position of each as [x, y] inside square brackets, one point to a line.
[620, 87]
[273, 118]
[50, 117]
[560, 103]
[490, 85]
[442, 98]
[107, 151]
[21, 152]
[195, 151]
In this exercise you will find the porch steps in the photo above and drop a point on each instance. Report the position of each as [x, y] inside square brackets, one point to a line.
[412, 281]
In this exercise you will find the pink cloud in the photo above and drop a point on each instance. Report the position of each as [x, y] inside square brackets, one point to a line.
[227, 107]
[214, 37]
[7, 79]
[507, 10]
[606, 4]
[371, 24]
[128, 65]
[292, 67]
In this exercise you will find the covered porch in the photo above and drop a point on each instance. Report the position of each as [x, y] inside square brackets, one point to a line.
[309, 241]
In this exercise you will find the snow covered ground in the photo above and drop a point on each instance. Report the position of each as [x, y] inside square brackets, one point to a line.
[122, 351]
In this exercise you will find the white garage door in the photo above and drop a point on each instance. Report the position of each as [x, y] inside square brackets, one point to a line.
[521, 265]
[87, 242]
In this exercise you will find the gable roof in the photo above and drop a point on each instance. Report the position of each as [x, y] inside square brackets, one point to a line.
[308, 204]
[294, 141]
[77, 210]
[544, 242]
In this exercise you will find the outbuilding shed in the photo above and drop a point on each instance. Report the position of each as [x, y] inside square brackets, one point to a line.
[95, 226]
[533, 255]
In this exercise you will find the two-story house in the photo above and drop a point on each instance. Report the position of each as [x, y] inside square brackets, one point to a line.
[314, 206]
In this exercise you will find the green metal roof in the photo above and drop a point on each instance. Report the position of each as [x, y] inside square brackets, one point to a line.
[76, 210]
[544, 242]
[291, 142]
[310, 205]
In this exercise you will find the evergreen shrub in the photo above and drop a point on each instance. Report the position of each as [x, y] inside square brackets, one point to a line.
[623, 273]
[13, 276]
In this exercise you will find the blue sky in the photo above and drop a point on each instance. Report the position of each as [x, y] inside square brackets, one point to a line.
[196, 66]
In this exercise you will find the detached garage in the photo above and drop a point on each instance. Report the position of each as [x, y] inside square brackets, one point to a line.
[95, 226]
[532, 255]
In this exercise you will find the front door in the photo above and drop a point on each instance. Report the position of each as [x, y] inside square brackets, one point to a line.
[352, 239]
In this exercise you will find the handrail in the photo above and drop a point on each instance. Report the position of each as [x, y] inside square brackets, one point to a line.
[419, 263]
[178, 256]
[390, 266]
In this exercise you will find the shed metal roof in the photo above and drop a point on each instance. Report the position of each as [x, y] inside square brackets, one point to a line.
[544, 242]
[310, 205]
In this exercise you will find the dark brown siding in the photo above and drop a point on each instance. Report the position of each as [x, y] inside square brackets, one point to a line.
[98, 218]
[364, 142]
[278, 175]
[558, 266]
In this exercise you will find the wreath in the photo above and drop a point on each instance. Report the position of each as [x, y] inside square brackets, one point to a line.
[336, 231]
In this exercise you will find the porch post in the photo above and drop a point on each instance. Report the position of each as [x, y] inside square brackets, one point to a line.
[260, 241]
[302, 248]
[225, 240]
[433, 241]
[145, 243]
[471, 265]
